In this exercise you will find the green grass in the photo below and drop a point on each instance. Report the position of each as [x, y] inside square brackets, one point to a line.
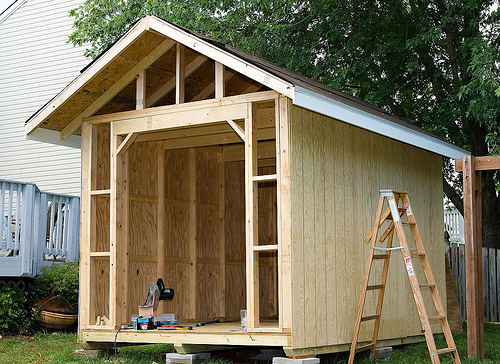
[58, 348]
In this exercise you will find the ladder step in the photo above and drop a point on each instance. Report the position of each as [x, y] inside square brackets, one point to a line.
[417, 253]
[407, 223]
[371, 317]
[427, 285]
[386, 249]
[375, 286]
[437, 317]
[364, 347]
[380, 256]
[446, 350]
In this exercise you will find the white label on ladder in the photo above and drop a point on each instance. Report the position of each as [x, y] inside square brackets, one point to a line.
[408, 209]
[409, 266]
[394, 209]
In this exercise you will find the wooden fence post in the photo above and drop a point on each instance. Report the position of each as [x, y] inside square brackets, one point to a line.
[473, 257]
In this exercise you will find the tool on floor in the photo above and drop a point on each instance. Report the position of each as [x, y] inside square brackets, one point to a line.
[216, 321]
[175, 327]
[395, 216]
[156, 293]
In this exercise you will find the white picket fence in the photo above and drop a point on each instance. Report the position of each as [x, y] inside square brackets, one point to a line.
[454, 225]
[38, 228]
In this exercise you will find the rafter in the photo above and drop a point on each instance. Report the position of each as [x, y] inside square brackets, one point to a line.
[117, 87]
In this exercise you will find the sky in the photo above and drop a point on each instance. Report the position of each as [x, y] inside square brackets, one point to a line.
[4, 4]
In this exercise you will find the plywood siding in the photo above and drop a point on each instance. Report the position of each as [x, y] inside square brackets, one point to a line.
[36, 62]
[337, 171]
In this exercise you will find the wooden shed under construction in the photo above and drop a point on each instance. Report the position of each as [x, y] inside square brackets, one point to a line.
[242, 185]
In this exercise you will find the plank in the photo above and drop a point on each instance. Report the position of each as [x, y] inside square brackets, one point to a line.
[252, 220]
[190, 118]
[193, 234]
[180, 74]
[174, 109]
[85, 206]
[284, 214]
[222, 240]
[160, 233]
[219, 80]
[483, 163]
[497, 265]
[492, 285]
[140, 89]
[309, 272]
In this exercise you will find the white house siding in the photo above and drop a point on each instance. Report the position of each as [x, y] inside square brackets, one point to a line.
[36, 62]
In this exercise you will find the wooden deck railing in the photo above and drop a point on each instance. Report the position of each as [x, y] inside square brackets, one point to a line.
[38, 228]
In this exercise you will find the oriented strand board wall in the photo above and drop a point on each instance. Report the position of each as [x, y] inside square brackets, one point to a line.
[337, 171]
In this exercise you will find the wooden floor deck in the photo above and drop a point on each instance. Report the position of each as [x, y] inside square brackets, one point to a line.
[227, 333]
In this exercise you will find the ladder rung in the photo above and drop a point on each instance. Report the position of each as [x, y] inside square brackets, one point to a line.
[364, 347]
[417, 253]
[446, 350]
[265, 248]
[267, 177]
[407, 223]
[427, 285]
[386, 249]
[371, 317]
[437, 317]
[380, 256]
[375, 286]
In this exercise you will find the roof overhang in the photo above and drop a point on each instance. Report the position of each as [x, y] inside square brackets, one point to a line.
[327, 106]
[169, 31]
[70, 106]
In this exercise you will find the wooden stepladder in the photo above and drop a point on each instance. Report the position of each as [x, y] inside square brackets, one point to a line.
[398, 214]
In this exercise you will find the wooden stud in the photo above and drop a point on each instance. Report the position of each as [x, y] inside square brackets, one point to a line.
[116, 88]
[180, 74]
[170, 85]
[473, 257]
[193, 234]
[210, 89]
[86, 221]
[284, 211]
[118, 270]
[252, 220]
[220, 82]
[160, 232]
[140, 90]
[222, 238]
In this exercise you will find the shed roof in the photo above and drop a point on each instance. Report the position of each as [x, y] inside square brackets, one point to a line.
[149, 41]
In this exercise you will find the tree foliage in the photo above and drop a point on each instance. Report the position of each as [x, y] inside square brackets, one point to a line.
[435, 62]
